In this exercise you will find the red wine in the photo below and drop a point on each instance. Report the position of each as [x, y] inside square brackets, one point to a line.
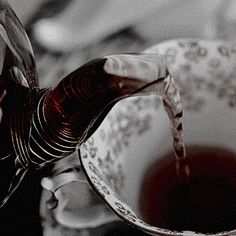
[205, 203]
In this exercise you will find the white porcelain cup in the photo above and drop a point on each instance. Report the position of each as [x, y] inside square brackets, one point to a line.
[136, 133]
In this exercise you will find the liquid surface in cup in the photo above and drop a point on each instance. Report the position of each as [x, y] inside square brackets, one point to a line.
[205, 203]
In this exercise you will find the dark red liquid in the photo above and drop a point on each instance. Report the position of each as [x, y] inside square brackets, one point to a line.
[205, 203]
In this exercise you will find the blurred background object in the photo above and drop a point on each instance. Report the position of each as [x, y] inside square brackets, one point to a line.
[67, 33]
[222, 24]
[86, 22]
[25, 9]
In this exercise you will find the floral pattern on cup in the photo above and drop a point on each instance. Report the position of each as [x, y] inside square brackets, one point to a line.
[202, 65]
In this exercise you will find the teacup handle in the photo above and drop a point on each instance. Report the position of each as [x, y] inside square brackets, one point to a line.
[62, 176]
[89, 216]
